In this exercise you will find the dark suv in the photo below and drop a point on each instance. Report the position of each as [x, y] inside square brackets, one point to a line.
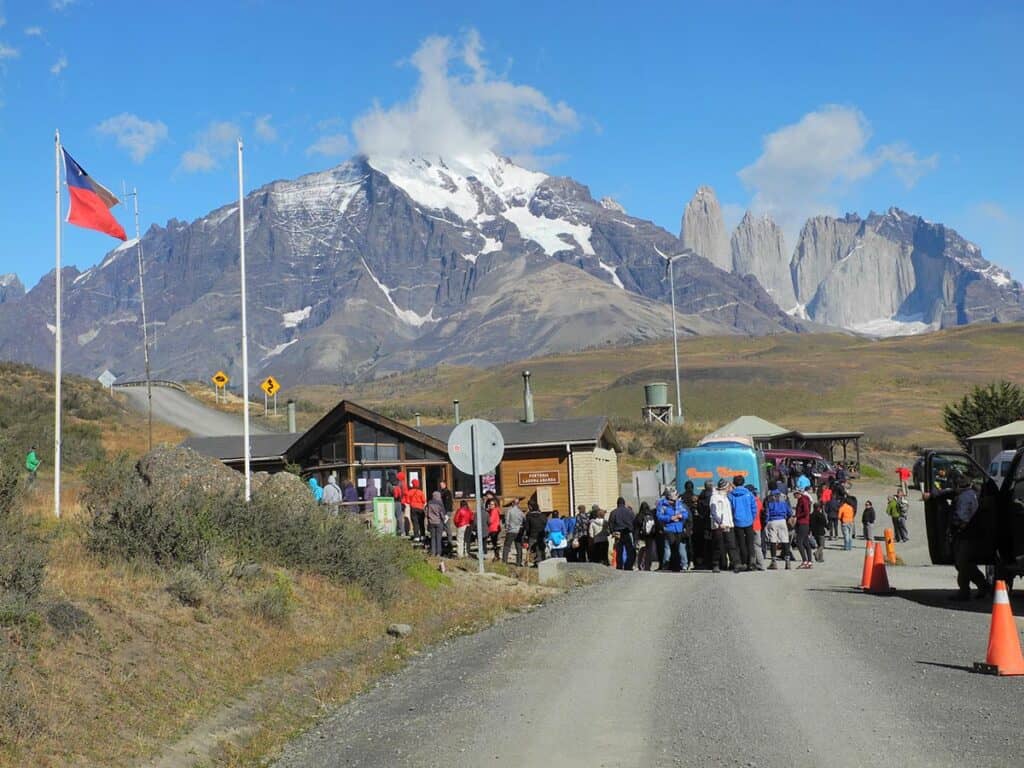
[999, 526]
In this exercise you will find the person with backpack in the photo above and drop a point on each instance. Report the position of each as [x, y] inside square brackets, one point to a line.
[802, 513]
[723, 538]
[514, 520]
[696, 525]
[332, 494]
[32, 466]
[622, 522]
[744, 510]
[557, 538]
[581, 535]
[867, 520]
[819, 524]
[904, 508]
[598, 536]
[673, 514]
[646, 525]
[463, 520]
[778, 511]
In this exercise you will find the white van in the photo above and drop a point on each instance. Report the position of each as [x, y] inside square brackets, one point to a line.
[1000, 466]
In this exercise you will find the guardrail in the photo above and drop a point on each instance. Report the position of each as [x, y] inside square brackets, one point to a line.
[155, 382]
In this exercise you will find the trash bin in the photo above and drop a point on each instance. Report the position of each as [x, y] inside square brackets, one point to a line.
[384, 515]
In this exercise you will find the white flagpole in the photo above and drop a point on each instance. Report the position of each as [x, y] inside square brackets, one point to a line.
[145, 333]
[245, 339]
[57, 335]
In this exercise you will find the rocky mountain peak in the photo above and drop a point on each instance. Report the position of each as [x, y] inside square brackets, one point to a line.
[11, 288]
[611, 204]
[702, 228]
[758, 248]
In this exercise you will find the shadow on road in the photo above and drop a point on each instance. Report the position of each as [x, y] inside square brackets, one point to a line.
[940, 598]
[956, 667]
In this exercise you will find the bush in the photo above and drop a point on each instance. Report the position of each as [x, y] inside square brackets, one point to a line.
[671, 440]
[187, 586]
[276, 603]
[22, 557]
[982, 409]
[67, 618]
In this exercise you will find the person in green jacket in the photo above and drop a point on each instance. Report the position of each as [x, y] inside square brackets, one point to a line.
[32, 465]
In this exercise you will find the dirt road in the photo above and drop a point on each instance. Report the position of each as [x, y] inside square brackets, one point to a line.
[645, 669]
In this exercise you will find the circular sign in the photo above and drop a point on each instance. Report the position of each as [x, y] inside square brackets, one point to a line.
[490, 446]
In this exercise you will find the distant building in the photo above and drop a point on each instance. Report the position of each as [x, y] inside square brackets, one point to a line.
[985, 445]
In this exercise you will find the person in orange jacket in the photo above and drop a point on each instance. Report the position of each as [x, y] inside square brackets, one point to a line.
[760, 544]
[417, 505]
[846, 518]
[400, 493]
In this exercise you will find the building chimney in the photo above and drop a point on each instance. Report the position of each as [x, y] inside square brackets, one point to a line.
[291, 417]
[527, 399]
[419, 422]
[458, 418]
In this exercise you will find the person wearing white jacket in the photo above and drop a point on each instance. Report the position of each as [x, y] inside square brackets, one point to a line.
[722, 536]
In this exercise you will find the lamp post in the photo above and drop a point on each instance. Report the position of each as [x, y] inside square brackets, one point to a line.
[669, 261]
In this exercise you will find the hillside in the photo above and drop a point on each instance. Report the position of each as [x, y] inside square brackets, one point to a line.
[892, 389]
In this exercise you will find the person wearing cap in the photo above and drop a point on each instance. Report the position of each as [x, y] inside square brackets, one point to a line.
[964, 534]
[744, 510]
[723, 538]
[778, 512]
[672, 513]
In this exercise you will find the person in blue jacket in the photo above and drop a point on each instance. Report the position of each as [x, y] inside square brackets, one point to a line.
[557, 536]
[672, 514]
[744, 508]
[316, 490]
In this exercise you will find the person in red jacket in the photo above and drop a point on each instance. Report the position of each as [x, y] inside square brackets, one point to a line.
[803, 528]
[417, 505]
[493, 526]
[760, 544]
[463, 519]
[400, 493]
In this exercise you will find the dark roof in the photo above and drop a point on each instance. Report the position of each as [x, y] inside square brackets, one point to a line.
[328, 423]
[231, 447]
[518, 434]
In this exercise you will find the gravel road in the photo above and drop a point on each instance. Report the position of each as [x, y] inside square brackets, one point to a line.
[177, 408]
[646, 669]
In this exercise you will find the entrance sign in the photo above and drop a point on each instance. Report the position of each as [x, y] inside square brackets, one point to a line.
[539, 477]
[476, 447]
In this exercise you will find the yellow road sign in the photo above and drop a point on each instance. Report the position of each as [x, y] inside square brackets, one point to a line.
[270, 386]
[220, 379]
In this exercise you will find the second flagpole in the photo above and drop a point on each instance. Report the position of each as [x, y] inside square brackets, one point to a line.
[245, 340]
[57, 338]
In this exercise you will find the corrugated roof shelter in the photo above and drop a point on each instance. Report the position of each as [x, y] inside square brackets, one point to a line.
[519, 434]
[747, 426]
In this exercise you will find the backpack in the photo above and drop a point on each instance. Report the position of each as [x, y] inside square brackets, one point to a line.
[648, 523]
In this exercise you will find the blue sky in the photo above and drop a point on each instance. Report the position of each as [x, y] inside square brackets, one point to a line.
[793, 108]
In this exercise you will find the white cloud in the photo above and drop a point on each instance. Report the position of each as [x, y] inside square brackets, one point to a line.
[805, 168]
[211, 145]
[264, 130]
[34, 31]
[7, 52]
[134, 134]
[330, 145]
[59, 65]
[460, 106]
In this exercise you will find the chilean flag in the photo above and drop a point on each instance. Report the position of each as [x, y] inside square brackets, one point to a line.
[90, 201]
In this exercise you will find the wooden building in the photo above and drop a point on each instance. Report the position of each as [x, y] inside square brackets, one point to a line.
[561, 463]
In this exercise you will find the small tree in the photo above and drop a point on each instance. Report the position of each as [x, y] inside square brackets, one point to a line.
[983, 408]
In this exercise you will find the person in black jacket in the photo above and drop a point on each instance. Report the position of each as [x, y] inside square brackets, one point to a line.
[536, 522]
[622, 522]
[867, 519]
[646, 526]
[819, 524]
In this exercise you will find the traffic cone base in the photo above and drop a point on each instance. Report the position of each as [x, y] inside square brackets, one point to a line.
[1004, 655]
[869, 561]
[879, 583]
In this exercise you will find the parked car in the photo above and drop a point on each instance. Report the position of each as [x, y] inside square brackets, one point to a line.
[999, 467]
[821, 471]
[1000, 523]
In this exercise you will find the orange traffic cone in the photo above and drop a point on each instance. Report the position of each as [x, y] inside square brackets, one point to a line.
[1004, 656]
[879, 584]
[869, 561]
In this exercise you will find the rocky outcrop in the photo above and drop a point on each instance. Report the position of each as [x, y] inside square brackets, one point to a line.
[759, 249]
[11, 288]
[703, 229]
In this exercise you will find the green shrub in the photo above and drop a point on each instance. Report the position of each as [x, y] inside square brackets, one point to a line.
[67, 618]
[276, 603]
[866, 470]
[22, 558]
[187, 585]
[671, 440]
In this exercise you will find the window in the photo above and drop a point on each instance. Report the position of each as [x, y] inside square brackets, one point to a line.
[948, 467]
[372, 444]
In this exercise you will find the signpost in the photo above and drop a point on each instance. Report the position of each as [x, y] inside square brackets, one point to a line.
[220, 380]
[476, 448]
[270, 388]
[107, 379]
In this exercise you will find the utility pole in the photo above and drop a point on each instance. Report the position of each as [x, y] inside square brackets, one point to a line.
[669, 267]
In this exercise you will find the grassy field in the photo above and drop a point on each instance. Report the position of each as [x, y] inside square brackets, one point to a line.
[891, 389]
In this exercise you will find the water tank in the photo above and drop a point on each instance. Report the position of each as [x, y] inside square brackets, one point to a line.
[656, 394]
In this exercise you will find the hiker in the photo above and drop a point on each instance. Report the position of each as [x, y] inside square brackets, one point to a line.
[536, 522]
[784, 472]
[32, 466]
[332, 494]
[316, 489]
[744, 510]
[598, 536]
[581, 535]
[840, 473]
[435, 516]
[701, 537]
[803, 528]
[903, 475]
[555, 532]
[831, 512]
[417, 507]
[463, 519]
[964, 533]
[867, 520]
[646, 524]
[349, 494]
[672, 513]
[622, 522]
[403, 516]
[778, 512]
[723, 537]
[493, 527]
[514, 519]
[696, 525]
[760, 538]
[903, 504]
[819, 524]
[846, 518]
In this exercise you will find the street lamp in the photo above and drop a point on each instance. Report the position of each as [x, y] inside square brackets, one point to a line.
[669, 261]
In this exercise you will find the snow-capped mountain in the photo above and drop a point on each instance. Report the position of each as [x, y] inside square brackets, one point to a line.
[385, 264]
[888, 274]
